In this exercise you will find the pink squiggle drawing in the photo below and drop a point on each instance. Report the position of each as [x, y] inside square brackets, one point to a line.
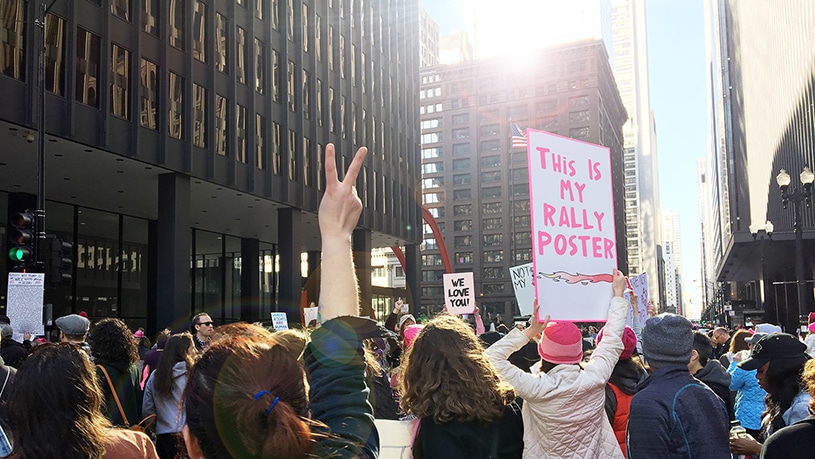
[570, 278]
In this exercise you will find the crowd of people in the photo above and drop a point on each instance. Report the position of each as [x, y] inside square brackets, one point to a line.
[549, 389]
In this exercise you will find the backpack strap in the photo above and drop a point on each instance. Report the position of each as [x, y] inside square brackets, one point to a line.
[115, 396]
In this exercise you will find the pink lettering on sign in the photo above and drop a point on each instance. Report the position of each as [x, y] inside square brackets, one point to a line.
[576, 245]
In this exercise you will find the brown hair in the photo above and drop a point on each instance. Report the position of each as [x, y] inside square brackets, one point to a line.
[293, 340]
[111, 340]
[231, 388]
[808, 382]
[74, 426]
[176, 350]
[738, 342]
[445, 376]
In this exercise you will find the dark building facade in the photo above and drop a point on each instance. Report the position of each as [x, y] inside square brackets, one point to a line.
[185, 140]
[477, 187]
[763, 121]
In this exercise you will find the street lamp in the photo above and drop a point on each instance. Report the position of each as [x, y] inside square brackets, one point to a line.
[797, 196]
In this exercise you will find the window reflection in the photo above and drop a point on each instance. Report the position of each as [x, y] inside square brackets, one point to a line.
[199, 31]
[176, 30]
[149, 94]
[54, 54]
[220, 125]
[87, 67]
[176, 91]
[120, 82]
[199, 116]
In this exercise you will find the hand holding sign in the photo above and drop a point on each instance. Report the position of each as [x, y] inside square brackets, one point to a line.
[536, 328]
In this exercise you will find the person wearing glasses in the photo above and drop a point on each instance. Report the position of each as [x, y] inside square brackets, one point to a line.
[202, 329]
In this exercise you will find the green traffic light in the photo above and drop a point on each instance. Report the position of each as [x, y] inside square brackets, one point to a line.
[19, 253]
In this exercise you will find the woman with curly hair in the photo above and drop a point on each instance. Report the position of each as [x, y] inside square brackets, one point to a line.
[563, 408]
[797, 440]
[65, 419]
[115, 355]
[466, 411]
[162, 393]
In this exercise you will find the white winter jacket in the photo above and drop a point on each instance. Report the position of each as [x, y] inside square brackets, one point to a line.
[563, 410]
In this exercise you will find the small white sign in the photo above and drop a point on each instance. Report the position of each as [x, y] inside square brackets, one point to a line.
[459, 293]
[24, 305]
[279, 321]
[523, 282]
[309, 315]
[639, 284]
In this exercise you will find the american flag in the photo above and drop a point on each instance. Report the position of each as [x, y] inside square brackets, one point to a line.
[518, 138]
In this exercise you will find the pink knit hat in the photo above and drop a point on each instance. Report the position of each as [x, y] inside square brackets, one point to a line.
[629, 341]
[411, 332]
[561, 342]
[811, 327]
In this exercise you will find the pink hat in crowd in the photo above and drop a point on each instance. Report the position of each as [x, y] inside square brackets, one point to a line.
[629, 341]
[561, 343]
[138, 334]
[811, 327]
[411, 332]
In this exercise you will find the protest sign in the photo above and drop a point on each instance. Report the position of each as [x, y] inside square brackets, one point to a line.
[309, 315]
[24, 306]
[279, 321]
[639, 284]
[524, 284]
[574, 248]
[459, 293]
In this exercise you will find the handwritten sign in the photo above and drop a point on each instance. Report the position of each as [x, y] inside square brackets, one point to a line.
[24, 306]
[523, 282]
[640, 286]
[279, 321]
[459, 293]
[309, 315]
[574, 248]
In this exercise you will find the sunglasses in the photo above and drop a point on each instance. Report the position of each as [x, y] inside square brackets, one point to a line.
[206, 323]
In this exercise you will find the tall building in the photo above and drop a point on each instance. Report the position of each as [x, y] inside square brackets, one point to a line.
[753, 137]
[642, 209]
[476, 187]
[672, 237]
[184, 146]
[455, 47]
[428, 40]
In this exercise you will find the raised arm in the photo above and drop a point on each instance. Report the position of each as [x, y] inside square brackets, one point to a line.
[338, 216]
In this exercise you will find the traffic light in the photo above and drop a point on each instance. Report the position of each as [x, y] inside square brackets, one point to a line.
[60, 262]
[22, 238]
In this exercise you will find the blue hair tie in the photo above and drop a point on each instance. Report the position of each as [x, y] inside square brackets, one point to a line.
[274, 402]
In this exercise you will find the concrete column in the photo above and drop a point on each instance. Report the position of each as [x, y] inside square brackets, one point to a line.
[250, 281]
[173, 239]
[290, 243]
[413, 271]
[361, 244]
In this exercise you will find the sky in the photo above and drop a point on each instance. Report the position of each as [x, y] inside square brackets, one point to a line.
[678, 89]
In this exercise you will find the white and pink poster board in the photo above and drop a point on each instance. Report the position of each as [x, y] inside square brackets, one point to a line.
[523, 282]
[574, 248]
[459, 293]
[280, 321]
[639, 284]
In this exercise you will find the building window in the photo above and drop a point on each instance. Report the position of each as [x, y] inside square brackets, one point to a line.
[432, 276]
[176, 105]
[120, 82]
[259, 9]
[579, 132]
[493, 273]
[120, 9]
[435, 182]
[275, 6]
[305, 28]
[461, 149]
[461, 179]
[240, 50]
[318, 38]
[220, 125]
[490, 130]
[432, 292]
[462, 210]
[493, 256]
[331, 109]
[378, 271]
[260, 66]
[276, 77]
[493, 289]
[306, 95]
[432, 198]
[491, 192]
[429, 244]
[578, 101]
[149, 94]
[432, 260]
[260, 141]
[331, 47]
[320, 103]
[149, 16]
[579, 116]
[87, 67]
[545, 106]
[432, 152]
[221, 43]
[521, 189]
[523, 238]
[463, 241]
[521, 206]
[292, 155]
[436, 212]
[464, 258]
[199, 31]
[523, 255]
[461, 164]
[491, 161]
[176, 29]
[290, 20]
[342, 56]
[199, 116]
[489, 224]
[461, 195]
[321, 172]
[521, 220]
[307, 164]
[277, 149]
[432, 168]
[493, 240]
[463, 225]
[491, 177]
[54, 54]
[240, 131]
[491, 208]
[290, 85]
